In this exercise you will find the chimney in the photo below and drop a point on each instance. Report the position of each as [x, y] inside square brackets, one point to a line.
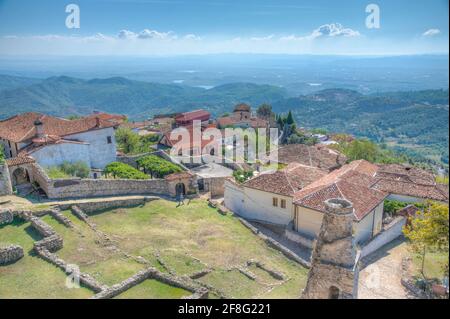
[39, 128]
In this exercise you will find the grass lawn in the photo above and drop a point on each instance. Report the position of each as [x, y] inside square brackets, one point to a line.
[153, 289]
[434, 265]
[32, 277]
[191, 237]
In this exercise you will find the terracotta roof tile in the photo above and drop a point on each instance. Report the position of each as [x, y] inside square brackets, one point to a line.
[21, 127]
[19, 160]
[352, 182]
[317, 156]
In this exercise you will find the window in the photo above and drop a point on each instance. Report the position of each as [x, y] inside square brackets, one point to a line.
[109, 139]
[275, 202]
[283, 203]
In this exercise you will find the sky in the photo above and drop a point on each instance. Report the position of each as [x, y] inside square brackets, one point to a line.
[180, 27]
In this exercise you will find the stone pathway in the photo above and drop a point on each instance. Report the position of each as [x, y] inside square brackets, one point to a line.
[381, 273]
[277, 235]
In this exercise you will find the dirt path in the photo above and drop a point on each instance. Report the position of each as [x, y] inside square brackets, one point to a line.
[381, 273]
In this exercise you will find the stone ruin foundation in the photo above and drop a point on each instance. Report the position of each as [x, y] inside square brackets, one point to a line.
[10, 254]
[333, 273]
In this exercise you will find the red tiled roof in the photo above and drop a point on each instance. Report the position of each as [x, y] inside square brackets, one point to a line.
[21, 127]
[187, 144]
[352, 182]
[19, 160]
[116, 118]
[317, 156]
[200, 115]
[231, 121]
[287, 181]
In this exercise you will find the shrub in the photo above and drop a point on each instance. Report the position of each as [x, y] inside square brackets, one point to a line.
[66, 170]
[121, 170]
[2, 154]
[241, 176]
[157, 166]
[78, 169]
[55, 172]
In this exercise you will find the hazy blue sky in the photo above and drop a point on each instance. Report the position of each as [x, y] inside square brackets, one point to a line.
[141, 27]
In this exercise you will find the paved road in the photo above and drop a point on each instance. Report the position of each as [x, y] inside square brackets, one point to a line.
[381, 272]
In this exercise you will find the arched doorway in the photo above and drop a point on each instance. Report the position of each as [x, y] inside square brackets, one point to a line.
[333, 293]
[180, 189]
[20, 177]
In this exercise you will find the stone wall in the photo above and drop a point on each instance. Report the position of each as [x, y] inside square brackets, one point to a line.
[91, 206]
[79, 188]
[10, 254]
[6, 217]
[5, 181]
[215, 185]
[389, 233]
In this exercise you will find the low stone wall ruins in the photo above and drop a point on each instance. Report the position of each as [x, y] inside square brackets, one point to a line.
[10, 254]
[6, 217]
[100, 205]
[151, 273]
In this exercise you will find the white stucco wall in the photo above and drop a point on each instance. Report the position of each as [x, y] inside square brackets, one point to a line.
[234, 197]
[308, 221]
[101, 153]
[56, 154]
[258, 206]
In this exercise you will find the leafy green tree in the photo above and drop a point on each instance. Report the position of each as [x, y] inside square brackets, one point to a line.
[127, 140]
[265, 112]
[157, 166]
[430, 231]
[125, 171]
[290, 119]
[2, 154]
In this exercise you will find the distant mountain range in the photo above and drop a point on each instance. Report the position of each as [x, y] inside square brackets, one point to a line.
[415, 122]
[64, 96]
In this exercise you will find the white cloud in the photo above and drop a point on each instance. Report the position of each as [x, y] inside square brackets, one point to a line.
[192, 37]
[126, 34]
[326, 30]
[153, 34]
[266, 38]
[431, 32]
[334, 30]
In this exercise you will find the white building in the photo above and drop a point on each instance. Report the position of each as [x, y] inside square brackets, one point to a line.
[52, 141]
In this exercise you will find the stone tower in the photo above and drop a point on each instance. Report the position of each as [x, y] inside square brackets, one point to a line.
[333, 274]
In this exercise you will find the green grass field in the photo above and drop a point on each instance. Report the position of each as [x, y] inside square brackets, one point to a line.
[186, 239]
